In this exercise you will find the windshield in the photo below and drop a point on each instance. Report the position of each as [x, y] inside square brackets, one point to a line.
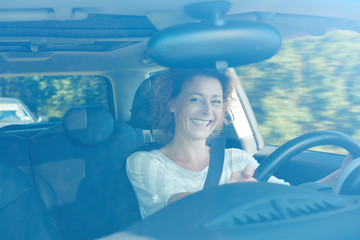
[312, 84]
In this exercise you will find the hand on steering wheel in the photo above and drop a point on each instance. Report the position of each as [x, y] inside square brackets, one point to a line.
[284, 153]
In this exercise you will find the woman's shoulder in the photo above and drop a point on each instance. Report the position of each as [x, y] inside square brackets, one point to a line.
[139, 155]
[142, 153]
[145, 157]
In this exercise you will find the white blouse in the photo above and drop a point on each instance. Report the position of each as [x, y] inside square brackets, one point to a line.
[155, 178]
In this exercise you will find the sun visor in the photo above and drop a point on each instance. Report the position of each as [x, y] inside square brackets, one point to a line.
[208, 44]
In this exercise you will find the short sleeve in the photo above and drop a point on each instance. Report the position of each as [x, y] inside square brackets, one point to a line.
[151, 182]
[236, 160]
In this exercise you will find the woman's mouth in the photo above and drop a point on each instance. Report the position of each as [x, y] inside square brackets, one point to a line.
[201, 123]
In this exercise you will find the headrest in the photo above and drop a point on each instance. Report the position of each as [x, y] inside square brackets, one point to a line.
[141, 111]
[88, 125]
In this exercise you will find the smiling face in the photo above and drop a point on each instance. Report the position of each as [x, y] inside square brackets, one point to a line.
[198, 109]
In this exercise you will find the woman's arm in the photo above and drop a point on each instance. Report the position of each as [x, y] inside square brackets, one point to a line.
[331, 178]
[177, 196]
[245, 176]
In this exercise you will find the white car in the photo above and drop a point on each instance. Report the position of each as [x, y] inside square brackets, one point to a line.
[14, 111]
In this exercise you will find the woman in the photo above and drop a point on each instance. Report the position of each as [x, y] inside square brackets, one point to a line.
[189, 106]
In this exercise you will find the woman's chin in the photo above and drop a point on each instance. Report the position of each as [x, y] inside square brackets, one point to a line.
[202, 134]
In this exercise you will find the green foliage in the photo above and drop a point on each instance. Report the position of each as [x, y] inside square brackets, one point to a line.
[311, 84]
[53, 95]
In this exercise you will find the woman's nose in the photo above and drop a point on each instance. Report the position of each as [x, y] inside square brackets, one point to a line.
[206, 108]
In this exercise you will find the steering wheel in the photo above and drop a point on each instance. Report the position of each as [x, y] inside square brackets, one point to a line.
[284, 153]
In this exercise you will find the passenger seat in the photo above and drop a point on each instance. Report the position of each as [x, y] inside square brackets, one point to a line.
[76, 166]
[14, 151]
[23, 214]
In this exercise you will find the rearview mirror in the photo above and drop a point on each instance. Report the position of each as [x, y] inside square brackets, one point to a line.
[211, 44]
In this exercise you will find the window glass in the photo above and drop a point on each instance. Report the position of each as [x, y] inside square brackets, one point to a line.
[310, 85]
[49, 97]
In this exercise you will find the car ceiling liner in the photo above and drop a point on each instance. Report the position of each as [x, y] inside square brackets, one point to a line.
[213, 41]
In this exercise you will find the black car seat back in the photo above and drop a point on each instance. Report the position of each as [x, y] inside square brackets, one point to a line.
[80, 160]
[14, 151]
[23, 214]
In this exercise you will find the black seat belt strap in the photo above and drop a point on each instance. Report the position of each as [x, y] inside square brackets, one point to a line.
[217, 154]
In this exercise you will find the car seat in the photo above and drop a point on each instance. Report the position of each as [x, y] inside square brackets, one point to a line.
[23, 214]
[14, 151]
[141, 116]
[80, 160]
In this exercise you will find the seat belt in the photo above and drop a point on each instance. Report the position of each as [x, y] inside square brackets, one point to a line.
[217, 154]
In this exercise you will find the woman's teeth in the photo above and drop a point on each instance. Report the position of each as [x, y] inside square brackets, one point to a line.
[202, 123]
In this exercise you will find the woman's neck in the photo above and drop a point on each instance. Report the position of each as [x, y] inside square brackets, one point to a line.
[193, 156]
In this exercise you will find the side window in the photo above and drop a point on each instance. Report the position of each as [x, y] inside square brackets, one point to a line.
[310, 85]
[47, 98]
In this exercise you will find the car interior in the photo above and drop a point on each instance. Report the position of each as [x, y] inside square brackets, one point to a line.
[67, 179]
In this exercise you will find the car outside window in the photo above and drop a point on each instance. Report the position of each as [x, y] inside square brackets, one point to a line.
[310, 85]
[49, 97]
[13, 111]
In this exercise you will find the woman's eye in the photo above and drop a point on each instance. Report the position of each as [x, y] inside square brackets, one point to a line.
[195, 99]
[216, 101]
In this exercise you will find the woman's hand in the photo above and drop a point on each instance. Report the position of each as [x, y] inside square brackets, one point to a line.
[331, 178]
[245, 176]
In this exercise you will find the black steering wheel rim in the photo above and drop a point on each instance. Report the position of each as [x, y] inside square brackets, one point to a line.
[285, 152]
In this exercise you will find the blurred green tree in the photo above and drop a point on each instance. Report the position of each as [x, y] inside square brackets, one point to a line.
[311, 84]
[53, 95]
